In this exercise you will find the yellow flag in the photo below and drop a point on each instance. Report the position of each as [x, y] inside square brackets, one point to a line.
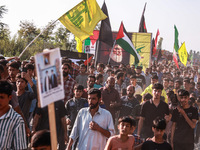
[182, 52]
[142, 43]
[78, 44]
[82, 19]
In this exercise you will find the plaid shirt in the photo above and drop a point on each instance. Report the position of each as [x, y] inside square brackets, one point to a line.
[137, 140]
[69, 87]
[74, 73]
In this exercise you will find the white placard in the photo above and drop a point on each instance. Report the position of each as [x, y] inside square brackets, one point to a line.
[49, 75]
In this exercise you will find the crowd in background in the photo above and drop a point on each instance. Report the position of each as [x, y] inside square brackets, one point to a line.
[139, 104]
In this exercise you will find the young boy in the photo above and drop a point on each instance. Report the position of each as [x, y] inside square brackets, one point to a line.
[73, 106]
[123, 140]
[41, 140]
[133, 80]
[25, 97]
[157, 142]
[12, 127]
[184, 119]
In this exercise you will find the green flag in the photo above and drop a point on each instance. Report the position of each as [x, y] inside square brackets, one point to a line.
[176, 46]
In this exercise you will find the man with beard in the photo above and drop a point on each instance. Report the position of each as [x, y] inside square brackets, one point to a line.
[69, 82]
[152, 109]
[90, 84]
[110, 96]
[128, 102]
[93, 125]
[120, 84]
[13, 70]
[141, 81]
[177, 86]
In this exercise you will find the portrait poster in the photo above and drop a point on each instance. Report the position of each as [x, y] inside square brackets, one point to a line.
[90, 43]
[49, 75]
[117, 56]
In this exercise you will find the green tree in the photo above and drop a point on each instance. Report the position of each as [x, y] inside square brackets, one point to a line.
[62, 38]
[3, 10]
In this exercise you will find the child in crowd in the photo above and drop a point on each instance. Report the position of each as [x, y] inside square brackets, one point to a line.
[41, 140]
[157, 142]
[123, 140]
[13, 135]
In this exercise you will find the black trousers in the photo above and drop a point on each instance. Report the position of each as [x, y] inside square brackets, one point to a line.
[183, 146]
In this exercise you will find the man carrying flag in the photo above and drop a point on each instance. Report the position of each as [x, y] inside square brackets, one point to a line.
[125, 42]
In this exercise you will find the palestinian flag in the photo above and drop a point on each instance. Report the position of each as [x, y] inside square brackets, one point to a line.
[125, 42]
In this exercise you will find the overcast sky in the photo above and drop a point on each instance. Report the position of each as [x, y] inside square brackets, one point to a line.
[159, 14]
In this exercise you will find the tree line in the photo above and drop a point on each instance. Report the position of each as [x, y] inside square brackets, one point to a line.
[51, 38]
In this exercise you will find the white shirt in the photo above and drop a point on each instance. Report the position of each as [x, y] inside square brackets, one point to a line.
[138, 90]
[91, 139]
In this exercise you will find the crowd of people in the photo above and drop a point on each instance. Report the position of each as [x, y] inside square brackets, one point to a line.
[105, 107]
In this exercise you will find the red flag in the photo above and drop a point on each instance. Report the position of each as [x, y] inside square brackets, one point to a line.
[156, 40]
[175, 58]
[88, 61]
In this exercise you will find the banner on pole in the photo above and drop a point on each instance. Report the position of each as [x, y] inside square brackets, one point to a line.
[142, 43]
[50, 78]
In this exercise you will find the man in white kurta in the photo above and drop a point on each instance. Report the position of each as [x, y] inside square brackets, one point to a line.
[93, 125]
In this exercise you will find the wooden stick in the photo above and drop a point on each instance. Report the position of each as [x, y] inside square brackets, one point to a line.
[52, 126]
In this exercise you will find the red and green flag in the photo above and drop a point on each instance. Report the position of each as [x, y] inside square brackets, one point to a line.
[125, 42]
[176, 47]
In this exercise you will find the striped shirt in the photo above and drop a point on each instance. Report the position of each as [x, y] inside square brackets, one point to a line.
[12, 131]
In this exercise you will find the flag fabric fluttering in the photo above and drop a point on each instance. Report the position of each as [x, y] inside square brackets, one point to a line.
[176, 47]
[155, 44]
[79, 45]
[159, 54]
[183, 55]
[82, 19]
[86, 62]
[125, 42]
[105, 34]
[142, 27]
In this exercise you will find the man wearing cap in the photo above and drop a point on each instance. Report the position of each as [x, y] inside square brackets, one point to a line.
[184, 119]
[149, 89]
[141, 81]
[150, 110]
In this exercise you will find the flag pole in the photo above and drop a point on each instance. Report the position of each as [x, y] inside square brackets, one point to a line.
[111, 51]
[96, 52]
[37, 37]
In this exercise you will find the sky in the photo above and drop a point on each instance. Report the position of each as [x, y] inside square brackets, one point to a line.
[159, 14]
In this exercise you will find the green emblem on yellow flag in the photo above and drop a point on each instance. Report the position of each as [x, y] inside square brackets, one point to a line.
[82, 19]
[183, 55]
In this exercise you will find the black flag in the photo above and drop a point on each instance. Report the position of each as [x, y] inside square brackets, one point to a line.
[105, 34]
[142, 27]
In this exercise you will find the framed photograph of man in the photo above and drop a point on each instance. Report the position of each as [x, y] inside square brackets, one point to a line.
[49, 74]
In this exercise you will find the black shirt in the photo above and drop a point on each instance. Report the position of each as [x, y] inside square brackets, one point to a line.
[149, 111]
[127, 106]
[72, 108]
[183, 132]
[44, 117]
[150, 145]
[140, 80]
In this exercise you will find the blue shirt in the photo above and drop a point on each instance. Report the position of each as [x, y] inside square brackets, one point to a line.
[91, 139]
